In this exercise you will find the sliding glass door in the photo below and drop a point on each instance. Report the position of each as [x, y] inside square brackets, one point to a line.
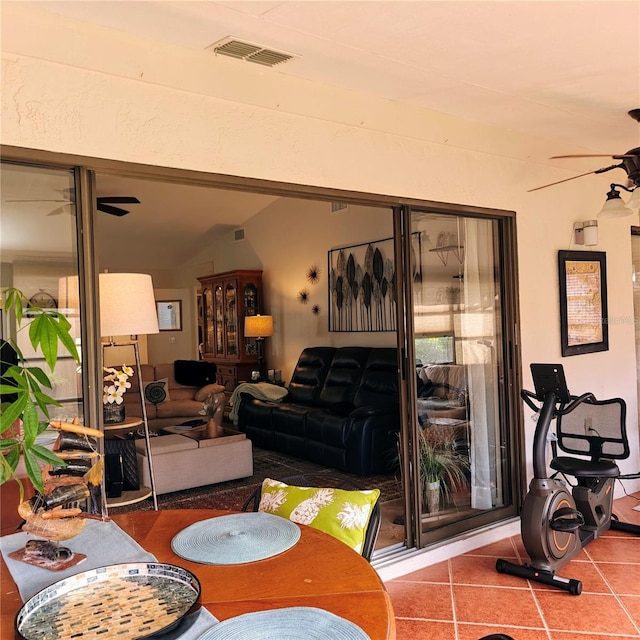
[40, 258]
[461, 428]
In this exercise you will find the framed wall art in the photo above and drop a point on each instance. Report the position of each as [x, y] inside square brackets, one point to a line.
[169, 315]
[583, 302]
[362, 287]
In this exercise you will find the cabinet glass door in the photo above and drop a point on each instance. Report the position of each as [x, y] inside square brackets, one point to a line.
[250, 299]
[207, 320]
[232, 319]
[250, 292]
[218, 310]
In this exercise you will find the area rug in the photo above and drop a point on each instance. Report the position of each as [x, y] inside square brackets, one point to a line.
[232, 495]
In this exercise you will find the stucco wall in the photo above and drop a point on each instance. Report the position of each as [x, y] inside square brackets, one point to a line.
[73, 88]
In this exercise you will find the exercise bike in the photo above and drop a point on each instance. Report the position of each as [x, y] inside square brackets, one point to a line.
[557, 524]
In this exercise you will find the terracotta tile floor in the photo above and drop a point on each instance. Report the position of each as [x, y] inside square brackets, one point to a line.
[464, 598]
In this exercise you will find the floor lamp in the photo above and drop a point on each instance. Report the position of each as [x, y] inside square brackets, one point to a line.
[259, 327]
[128, 308]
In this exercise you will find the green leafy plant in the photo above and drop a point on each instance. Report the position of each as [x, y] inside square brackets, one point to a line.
[441, 462]
[20, 421]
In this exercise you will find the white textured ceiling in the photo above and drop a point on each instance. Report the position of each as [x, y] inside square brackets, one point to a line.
[567, 71]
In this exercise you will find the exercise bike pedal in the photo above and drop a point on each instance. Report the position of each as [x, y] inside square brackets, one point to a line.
[566, 519]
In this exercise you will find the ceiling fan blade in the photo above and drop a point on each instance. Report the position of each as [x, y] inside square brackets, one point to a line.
[119, 200]
[58, 210]
[67, 196]
[114, 211]
[40, 200]
[618, 156]
[551, 184]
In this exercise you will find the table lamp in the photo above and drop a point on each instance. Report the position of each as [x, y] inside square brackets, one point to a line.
[259, 327]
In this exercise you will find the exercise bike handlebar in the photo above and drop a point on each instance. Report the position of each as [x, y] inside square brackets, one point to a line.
[548, 411]
[529, 397]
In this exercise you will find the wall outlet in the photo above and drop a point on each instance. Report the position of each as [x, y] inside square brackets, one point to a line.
[172, 340]
[588, 425]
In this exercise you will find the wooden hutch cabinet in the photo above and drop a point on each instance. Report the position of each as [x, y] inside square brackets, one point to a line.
[226, 299]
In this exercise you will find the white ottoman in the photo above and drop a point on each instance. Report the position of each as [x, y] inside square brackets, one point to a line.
[180, 462]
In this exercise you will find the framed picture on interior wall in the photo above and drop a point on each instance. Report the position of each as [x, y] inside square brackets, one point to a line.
[362, 287]
[583, 302]
[169, 315]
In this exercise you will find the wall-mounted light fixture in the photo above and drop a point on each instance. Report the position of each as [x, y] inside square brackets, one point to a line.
[634, 200]
[585, 233]
[614, 206]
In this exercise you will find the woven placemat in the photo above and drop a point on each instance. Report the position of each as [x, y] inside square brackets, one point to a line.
[291, 623]
[236, 538]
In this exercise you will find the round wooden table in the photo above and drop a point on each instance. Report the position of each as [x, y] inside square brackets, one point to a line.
[319, 571]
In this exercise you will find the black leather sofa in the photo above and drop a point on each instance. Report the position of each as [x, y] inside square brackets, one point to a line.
[341, 410]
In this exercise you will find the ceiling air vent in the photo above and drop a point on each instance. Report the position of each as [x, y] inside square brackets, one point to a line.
[250, 52]
[239, 234]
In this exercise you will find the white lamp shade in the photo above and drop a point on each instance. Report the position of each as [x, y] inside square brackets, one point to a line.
[258, 326]
[614, 207]
[634, 200]
[127, 304]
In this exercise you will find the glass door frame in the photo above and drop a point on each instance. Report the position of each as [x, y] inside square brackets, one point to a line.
[85, 166]
[511, 429]
[83, 187]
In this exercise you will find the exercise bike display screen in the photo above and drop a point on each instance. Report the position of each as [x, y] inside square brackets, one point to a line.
[550, 378]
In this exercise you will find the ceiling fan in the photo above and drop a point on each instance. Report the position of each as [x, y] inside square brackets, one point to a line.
[630, 162]
[104, 204]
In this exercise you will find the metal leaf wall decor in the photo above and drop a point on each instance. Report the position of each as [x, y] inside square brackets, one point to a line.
[362, 287]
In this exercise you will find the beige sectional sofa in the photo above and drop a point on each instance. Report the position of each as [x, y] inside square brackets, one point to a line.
[182, 403]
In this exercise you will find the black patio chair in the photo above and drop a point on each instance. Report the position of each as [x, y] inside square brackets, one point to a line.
[325, 480]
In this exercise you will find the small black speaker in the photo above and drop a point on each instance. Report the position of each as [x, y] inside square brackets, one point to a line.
[114, 474]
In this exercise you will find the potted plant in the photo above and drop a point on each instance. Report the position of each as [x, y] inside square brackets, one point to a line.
[443, 470]
[27, 387]
[116, 383]
[212, 409]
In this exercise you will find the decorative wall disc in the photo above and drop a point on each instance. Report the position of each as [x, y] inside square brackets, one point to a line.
[303, 296]
[313, 274]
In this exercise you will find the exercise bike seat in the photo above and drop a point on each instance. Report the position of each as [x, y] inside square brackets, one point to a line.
[585, 468]
[594, 429]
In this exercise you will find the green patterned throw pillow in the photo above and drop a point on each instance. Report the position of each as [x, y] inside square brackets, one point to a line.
[338, 512]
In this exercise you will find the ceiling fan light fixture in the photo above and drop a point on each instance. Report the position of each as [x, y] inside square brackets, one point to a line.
[634, 200]
[614, 206]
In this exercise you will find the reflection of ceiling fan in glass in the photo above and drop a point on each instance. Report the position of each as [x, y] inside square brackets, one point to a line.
[104, 204]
